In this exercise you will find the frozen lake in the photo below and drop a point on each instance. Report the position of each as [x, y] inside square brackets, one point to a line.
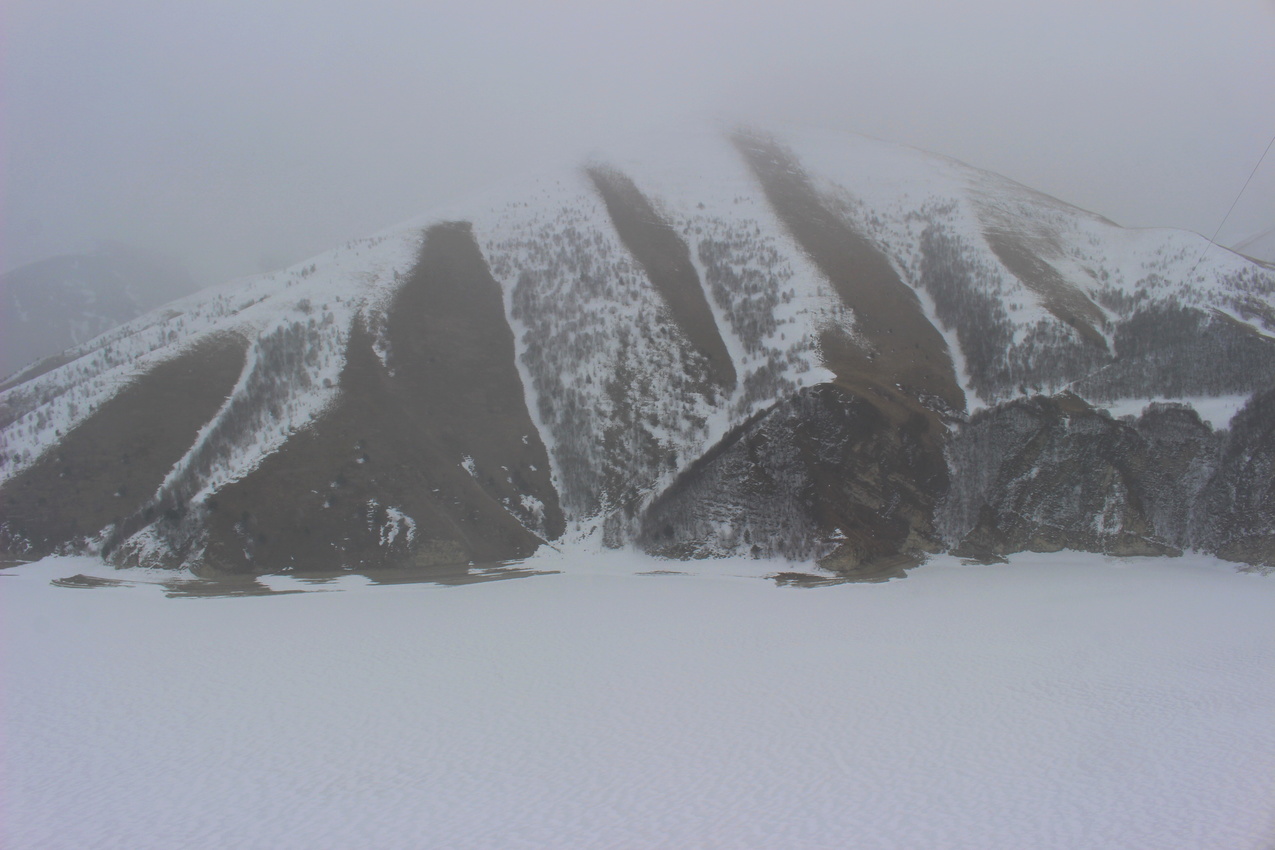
[1064, 701]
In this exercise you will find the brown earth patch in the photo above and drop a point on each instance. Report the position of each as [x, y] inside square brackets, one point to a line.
[794, 579]
[904, 361]
[852, 572]
[111, 465]
[667, 261]
[875, 478]
[86, 582]
[1066, 302]
[397, 438]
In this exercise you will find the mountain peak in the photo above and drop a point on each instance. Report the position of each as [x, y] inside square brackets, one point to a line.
[706, 343]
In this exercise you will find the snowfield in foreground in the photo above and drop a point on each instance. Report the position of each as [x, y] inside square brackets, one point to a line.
[1065, 701]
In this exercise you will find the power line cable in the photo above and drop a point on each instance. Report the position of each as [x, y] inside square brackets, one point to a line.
[1213, 240]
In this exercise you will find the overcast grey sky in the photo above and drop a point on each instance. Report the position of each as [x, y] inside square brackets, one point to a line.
[232, 133]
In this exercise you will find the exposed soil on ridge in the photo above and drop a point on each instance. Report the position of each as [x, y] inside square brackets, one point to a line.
[897, 367]
[111, 465]
[1066, 302]
[396, 442]
[667, 260]
[906, 357]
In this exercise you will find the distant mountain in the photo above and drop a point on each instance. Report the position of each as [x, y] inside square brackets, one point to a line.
[808, 347]
[55, 304]
[1259, 246]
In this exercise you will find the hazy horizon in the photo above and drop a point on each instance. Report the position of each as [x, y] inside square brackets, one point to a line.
[248, 136]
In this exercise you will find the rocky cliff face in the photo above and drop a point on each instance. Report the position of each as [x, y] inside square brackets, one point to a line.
[1239, 500]
[1044, 474]
[822, 474]
[805, 348]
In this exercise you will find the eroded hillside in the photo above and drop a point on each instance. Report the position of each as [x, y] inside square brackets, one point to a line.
[805, 347]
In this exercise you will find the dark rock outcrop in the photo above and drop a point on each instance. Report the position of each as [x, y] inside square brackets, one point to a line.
[822, 473]
[1239, 501]
[1044, 474]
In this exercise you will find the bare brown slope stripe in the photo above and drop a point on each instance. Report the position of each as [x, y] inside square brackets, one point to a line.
[453, 350]
[874, 474]
[906, 348]
[1066, 302]
[111, 465]
[396, 439]
[667, 261]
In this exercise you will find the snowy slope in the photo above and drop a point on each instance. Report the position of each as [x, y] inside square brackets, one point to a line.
[1028, 296]
[309, 306]
[596, 349]
[932, 215]
[591, 328]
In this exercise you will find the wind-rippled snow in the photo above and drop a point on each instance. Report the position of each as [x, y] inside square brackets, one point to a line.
[1058, 701]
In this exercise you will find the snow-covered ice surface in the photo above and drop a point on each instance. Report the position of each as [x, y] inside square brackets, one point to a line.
[1065, 701]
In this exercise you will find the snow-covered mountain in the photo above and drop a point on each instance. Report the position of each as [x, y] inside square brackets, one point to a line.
[809, 346]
